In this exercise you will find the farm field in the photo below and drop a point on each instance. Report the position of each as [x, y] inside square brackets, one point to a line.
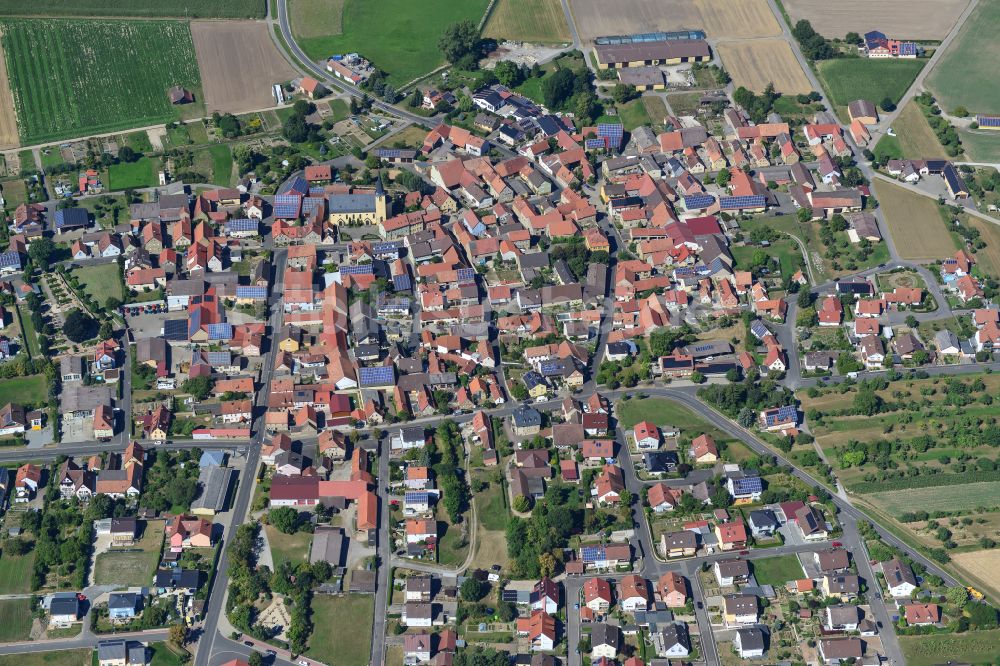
[135, 567]
[973, 647]
[28, 390]
[57, 658]
[939, 498]
[315, 18]
[15, 620]
[914, 223]
[777, 571]
[982, 567]
[916, 138]
[132, 175]
[400, 37]
[904, 19]
[538, 21]
[848, 79]
[101, 281]
[980, 146]
[987, 258]
[137, 8]
[119, 81]
[329, 643]
[754, 64]
[964, 75]
[239, 63]
[8, 116]
[738, 19]
[593, 19]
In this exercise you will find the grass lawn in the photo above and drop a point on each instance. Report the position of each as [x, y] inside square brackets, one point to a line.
[292, 548]
[222, 164]
[777, 571]
[633, 114]
[51, 157]
[29, 333]
[888, 148]
[133, 567]
[981, 145]
[131, 175]
[164, 655]
[848, 79]
[57, 658]
[341, 110]
[28, 390]
[329, 642]
[139, 142]
[452, 547]
[15, 620]
[399, 36]
[102, 281]
[15, 573]
[974, 647]
[491, 507]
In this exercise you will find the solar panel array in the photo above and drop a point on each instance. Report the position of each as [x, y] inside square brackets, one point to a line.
[613, 133]
[593, 553]
[908, 49]
[696, 201]
[551, 367]
[251, 291]
[10, 260]
[466, 274]
[736, 203]
[378, 376]
[402, 282]
[287, 206]
[782, 414]
[509, 595]
[310, 204]
[359, 269]
[221, 331]
[988, 121]
[751, 484]
[388, 153]
[242, 224]
[218, 357]
[297, 186]
[594, 144]
[417, 497]
[175, 329]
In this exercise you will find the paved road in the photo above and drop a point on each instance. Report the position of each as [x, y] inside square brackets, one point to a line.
[85, 640]
[215, 609]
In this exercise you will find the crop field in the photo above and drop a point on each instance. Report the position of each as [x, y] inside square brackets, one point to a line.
[15, 619]
[966, 73]
[982, 567]
[136, 8]
[973, 647]
[904, 19]
[399, 36]
[538, 21]
[8, 117]
[754, 64]
[738, 19]
[916, 138]
[915, 224]
[593, 18]
[74, 77]
[848, 79]
[316, 18]
[970, 496]
[239, 64]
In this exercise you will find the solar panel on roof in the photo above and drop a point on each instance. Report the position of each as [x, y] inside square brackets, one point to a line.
[310, 204]
[10, 260]
[593, 553]
[287, 206]
[401, 282]
[698, 201]
[751, 201]
[297, 185]
[416, 497]
[748, 485]
[387, 153]
[218, 358]
[175, 329]
[988, 121]
[377, 376]
[242, 224]
[594, 144]
[221, 331]
[359, 269]
[244, 291]
[509, 595]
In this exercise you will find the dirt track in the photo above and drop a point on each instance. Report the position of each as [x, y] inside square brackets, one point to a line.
[8, 118]
[239, 63]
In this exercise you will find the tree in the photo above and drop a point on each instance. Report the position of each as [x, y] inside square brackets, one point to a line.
[79, 326]
[958, 596]
[126, 154]
[473, 590]
[177, 634]
[40, 252]
[199, 387]
[106, 330]
[867, 403]
[623, 92]
[508, 73]
[256, 659]
[459, 40]
[852, 38]
[887, 104]
[804, 298]
[522, 503]
[722, 178]
[558, 88]
[284, 519]
[519, 391]
[547, 564]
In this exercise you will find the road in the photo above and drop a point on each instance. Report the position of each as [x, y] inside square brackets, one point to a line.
[215, 608]
[85, 640]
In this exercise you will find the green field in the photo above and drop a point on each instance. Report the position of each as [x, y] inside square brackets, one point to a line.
[15, 573]
[119, 80]
[399, 36]
[661, 412]
[329, 642]
[15, 620]
[56, 658]
[535, 21]
[981, 145]
[917, 140]
[777, 571]
[785, 251]
[222, 164]
[29, 390]
[974, 647]
[292, 548]
[164, 655]
[848, 79]
[966, 73]
[491, 508]
[939, 498]
[144, 8]
[132, 175]
[135, 567]
[316, 18]
[101, 281]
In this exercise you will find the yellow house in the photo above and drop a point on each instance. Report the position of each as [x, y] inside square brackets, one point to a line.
[537, 388]
[359, 208]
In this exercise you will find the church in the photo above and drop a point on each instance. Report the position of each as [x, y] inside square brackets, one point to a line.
[350, 209]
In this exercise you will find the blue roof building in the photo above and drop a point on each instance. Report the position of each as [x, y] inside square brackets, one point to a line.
[71, 218]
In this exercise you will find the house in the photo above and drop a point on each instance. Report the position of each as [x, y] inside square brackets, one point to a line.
[704, 451]
[842, 617]
[122, 605]
[633, 593]
[605, 641]
[176, 580]
[13, 419]
[863, 111]
[64, 609]
[918, 614]
[899, 578]
[679, 544]
[763, 523]
[417, 614]
[731, 572]
[811, 523]
[671, 641]
[647, 436]
[417, 648]
[832, 560]
[540, 628]
[123, 531]
[731, 535]
[745, 489]
[673, 589]
[739, 609]
[597, 595]
[130, 653]
[526, 421]
[662, 497]
[545, 596]
[183, 531]
[609, 485]
[839, 650]
[749, 642]
[844, 586]
[26, 482]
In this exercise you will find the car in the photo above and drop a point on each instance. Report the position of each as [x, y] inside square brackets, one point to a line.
[80, 596]
[248, 643]
[700, 605]
[836, 544]
[744, 552]
[303, 662]
[271, 653]
[576, 605]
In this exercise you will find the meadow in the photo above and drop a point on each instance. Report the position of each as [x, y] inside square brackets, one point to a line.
[119, 80]
[848, 79]
[56, 658]
[329, 642]
[29, 390]
[15, 619]
[536, 21]
[293, 548]
[966, 73]
[914, 222]
[222, 164]
[137, 8]
[777, 571]
[102, 281]
[132, 175]
[133, 567]
[916, 138]
[940, 498]
[400, 37]
[974, 647]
